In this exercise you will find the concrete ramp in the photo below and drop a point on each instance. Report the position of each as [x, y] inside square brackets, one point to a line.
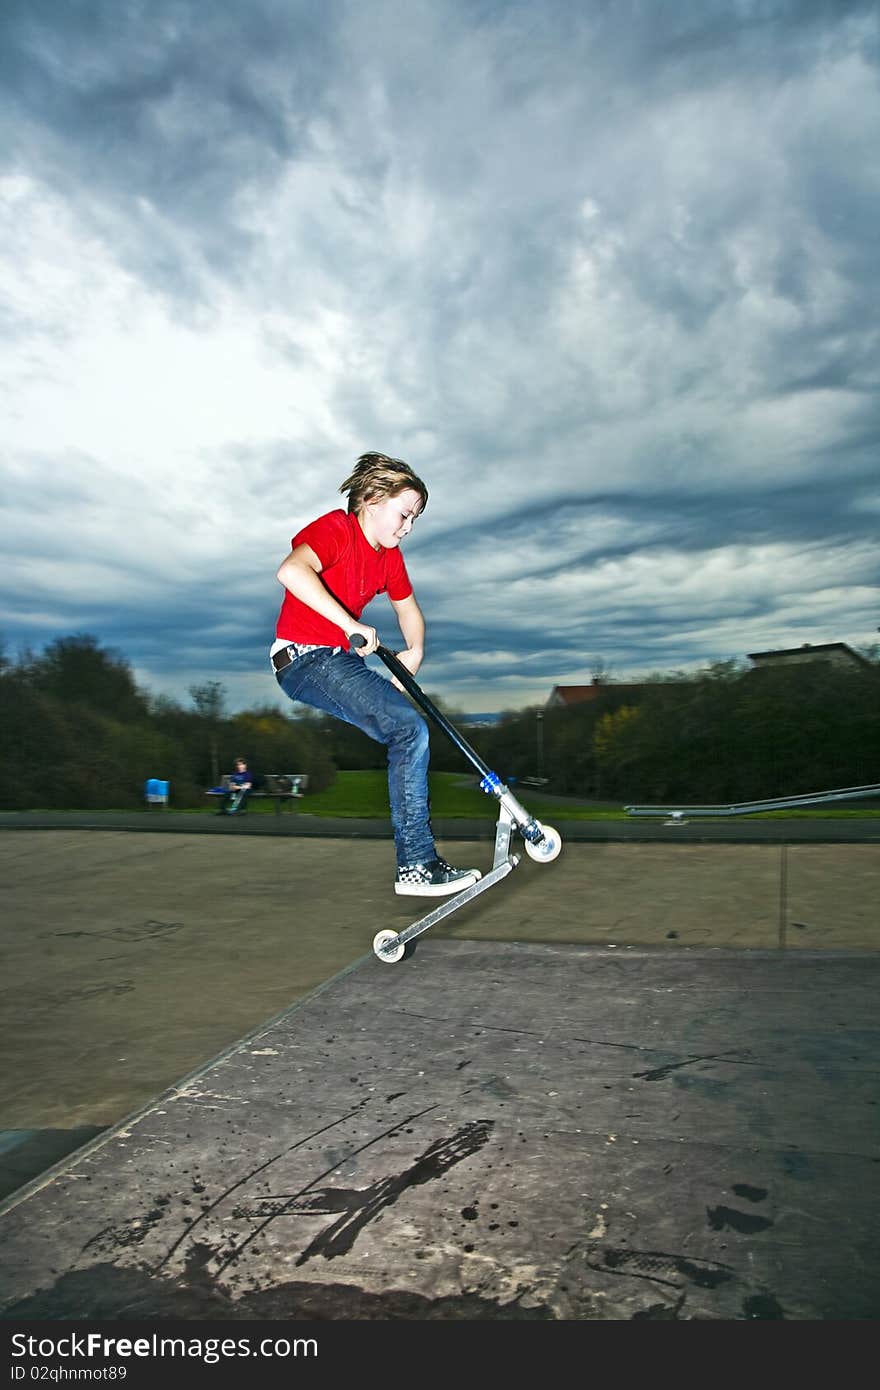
[494, 1131]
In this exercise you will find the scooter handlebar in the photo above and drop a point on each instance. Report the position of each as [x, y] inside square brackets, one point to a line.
[357, 639]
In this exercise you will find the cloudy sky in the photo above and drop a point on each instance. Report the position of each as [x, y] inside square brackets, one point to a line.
[603, 271]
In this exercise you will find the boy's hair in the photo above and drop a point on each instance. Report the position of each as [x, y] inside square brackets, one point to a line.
[376, 476]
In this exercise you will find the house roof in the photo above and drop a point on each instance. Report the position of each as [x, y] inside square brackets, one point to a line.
[574, 694]
[819, 649]
[581, 694]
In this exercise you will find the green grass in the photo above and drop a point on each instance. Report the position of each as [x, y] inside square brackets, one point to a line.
[365, 794]
[352, 794]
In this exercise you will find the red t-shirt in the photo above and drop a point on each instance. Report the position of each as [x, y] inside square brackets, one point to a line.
[353, 572]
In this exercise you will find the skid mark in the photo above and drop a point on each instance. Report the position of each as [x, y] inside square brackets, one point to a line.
[473, 1023]
[60, 997]
[660, 1073]
[741, 1057]
[141, 931]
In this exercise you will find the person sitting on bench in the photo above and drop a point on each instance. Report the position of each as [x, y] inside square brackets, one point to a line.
[241, 783]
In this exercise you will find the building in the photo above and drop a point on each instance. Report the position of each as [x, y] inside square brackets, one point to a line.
[836, 653]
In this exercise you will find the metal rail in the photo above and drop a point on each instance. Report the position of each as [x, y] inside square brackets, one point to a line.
[748, 808]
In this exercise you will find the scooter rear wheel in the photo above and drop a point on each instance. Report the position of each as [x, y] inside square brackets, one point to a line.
[388, 954]
[546, 849]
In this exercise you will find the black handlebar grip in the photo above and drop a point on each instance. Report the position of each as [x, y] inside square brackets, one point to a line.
[357, 639]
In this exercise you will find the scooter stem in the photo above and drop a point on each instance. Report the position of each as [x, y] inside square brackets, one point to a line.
[490, 782]
[409, 683]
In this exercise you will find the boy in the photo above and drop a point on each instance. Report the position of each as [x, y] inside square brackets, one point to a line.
[336, 565]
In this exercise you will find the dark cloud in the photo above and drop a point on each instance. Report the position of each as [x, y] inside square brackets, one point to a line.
[178, 106]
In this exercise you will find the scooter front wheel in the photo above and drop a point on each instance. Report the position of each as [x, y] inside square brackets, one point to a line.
[548, 848]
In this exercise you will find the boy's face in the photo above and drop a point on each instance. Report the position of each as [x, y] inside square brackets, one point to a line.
[388, 521]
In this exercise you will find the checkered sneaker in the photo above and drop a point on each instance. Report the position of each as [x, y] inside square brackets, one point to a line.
[434, 879]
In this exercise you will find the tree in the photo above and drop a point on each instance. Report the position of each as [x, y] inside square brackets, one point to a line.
[76, 670]
[615, 742]
[210, 700]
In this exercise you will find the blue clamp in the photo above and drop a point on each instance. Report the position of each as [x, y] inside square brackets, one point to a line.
[491, 784]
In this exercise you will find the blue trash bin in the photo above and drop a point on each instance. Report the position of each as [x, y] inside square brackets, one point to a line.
[156, 791]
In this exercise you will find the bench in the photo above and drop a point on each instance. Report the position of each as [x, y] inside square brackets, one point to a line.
[282, 787]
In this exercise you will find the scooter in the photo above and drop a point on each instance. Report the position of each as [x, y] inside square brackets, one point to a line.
[542, 842]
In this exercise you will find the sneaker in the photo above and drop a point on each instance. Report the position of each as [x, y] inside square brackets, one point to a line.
[433, 879]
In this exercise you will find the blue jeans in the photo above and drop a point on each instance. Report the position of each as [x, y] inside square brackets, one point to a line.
[342, 684]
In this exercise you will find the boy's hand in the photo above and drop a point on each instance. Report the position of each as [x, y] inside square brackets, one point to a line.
[370, 636]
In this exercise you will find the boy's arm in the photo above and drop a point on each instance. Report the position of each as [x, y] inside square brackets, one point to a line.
[412, 628]
[300, 575]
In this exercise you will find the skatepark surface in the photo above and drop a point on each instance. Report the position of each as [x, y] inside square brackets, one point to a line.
[637, 1083]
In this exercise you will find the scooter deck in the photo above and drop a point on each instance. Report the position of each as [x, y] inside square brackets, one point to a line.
[451, 904]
